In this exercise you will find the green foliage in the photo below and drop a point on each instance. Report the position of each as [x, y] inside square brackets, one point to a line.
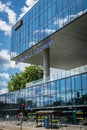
[31, 73]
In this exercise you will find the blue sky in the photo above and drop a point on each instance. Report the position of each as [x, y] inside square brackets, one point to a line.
[10, 12]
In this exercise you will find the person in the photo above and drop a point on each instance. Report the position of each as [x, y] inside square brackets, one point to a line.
[18, 117]
[7, 117]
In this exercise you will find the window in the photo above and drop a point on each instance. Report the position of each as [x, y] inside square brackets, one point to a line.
[78, 82]
[53, 88]
[73, 84]
[53, 10]
[58, 86]
[84, 81]
[63, 101]
[63, 86]
[68, 85]
[65, 3]
[59, 5]
[85, 97]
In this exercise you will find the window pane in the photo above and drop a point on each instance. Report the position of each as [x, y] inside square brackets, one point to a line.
[85, 97]
[84, 81]
[68, 85]
[78, 82]
[63, 85]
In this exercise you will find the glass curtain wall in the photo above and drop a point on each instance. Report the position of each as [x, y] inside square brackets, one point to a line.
[62, 92]
[45, 18]
[67, 95]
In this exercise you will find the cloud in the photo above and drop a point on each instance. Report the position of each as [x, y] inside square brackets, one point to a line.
[42, 33]
[28, 6]
[30, 3]
[4, 8]
[63, 21]
[21, 66]
[4, 76]
[6, 63]
[11, 16]
[49, 31]
[4, 59]
[8, 3]
[5, 27]
[4, 90]
[4, 84]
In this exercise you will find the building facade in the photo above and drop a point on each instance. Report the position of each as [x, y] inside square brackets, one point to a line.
[66, 95]
[45, 18]
[53, 34]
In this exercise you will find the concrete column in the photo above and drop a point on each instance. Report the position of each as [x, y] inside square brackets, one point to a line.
[46, 62]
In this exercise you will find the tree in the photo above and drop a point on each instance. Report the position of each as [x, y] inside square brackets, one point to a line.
[16, 82]
[31, 73]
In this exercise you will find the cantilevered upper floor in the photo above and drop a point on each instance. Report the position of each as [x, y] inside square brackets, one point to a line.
[60, 25]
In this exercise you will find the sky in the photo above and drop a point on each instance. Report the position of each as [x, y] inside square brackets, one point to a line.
[10, 12]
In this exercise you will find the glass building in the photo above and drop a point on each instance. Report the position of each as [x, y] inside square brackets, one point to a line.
[67, 95]
[49, 16]
[53, 34]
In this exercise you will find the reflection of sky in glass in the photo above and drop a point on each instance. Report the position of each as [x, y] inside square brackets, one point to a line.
[84, 81]
[63, 85]
[85, 93]
[53, 87]
[47, 94]
[47, 18]
[58, 96]
[38, 90]
[68, 97]
[68, 85]
[78, 82]
[63, 96]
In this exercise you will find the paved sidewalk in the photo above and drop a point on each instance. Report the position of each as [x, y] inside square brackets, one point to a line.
[13, 126]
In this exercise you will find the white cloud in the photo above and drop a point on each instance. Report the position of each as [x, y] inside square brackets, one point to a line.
[4, 84]
[67, 19]
[11, 15]
[8, 3]
[5, 27]
[4, 59]
[29, 4]
[49, 31]
[21, 66]
[4, 76]
[4, 90]
[6, 63]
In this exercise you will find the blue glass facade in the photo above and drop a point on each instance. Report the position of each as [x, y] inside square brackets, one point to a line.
[68, 91]
[48, 17]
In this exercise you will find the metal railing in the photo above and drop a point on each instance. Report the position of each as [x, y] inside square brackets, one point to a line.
[61, 74]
